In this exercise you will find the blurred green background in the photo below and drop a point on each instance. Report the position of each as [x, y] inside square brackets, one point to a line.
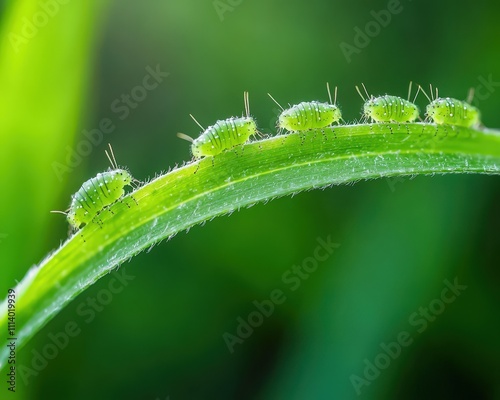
[65, 67]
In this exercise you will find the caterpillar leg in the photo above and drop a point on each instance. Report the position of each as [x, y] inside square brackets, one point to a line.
[98, 220]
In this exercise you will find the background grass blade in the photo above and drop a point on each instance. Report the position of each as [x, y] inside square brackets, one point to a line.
[43, 89]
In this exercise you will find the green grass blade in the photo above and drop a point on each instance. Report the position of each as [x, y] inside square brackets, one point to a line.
[257, 172]
[44, 81]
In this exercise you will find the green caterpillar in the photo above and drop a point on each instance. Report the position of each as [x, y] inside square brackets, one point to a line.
[223, 135]
[389, 108]
[97, 193]
[309, 115]
[452, 111]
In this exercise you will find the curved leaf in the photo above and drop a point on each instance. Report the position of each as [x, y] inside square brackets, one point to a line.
[258, 171]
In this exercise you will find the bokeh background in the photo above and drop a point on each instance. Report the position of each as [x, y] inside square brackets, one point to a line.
[64, 67]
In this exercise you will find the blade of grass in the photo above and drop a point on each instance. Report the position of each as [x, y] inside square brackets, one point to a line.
[258, 171]
[44, 79]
